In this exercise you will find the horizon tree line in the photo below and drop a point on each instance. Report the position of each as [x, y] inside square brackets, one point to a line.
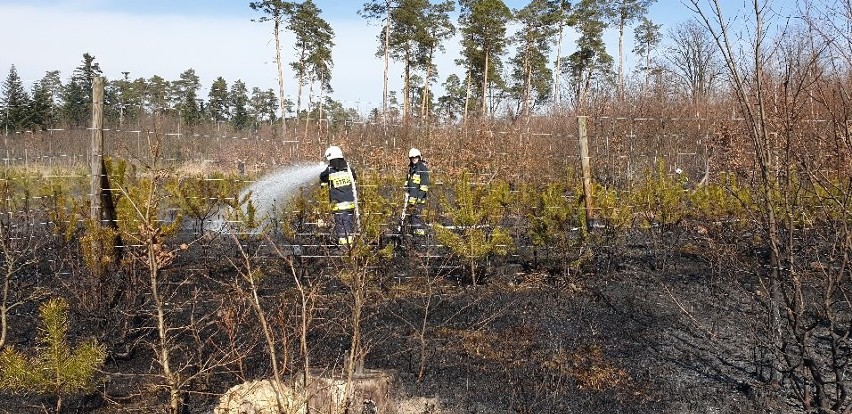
[503, 74]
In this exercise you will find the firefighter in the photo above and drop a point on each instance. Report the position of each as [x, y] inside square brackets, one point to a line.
[340, 179]
[416, 189]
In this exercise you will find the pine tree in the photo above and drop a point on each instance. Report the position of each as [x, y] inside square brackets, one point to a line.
[622, 13]
[123, 99]
[218, 103]
[238, 98]
[451, 105]
[51, 83]
[314, 40]
[563, 19]
[41, 107]
[58, 369]
[483, 27]
[263, 105]
[476, 212]
[380, 10]
[407, 22]
[138, 97]
[531, 74]
[275, 11]
[77, 94]
[590, 59]
[438, 28]
[647, 37]
[157, 94]
[185, 96]
[417, 29]
[16, 103]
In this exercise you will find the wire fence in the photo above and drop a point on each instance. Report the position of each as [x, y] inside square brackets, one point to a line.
[622, 149]
[619, 146]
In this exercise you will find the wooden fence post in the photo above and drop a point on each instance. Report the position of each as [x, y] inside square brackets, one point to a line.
[103, 207]
[587, 171]
[97, 146]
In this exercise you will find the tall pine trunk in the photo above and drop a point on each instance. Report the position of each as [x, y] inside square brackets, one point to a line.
[277, 27]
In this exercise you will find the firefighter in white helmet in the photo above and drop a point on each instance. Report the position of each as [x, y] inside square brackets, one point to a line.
[340, 179]
[417, 188]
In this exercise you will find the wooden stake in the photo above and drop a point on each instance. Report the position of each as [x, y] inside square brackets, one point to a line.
[587, 171]
[97, 145]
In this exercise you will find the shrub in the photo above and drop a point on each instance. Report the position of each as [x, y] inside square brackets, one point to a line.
[661, 197]
[199, 197]
[476, 212]
[57, 369]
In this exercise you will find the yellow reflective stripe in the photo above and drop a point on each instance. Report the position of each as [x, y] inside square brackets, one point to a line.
[343, 205]
[415, 200]
[424, 188]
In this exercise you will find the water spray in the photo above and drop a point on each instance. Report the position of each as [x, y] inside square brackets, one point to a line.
[272, 191]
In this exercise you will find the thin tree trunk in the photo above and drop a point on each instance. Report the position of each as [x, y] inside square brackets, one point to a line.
[647, 66]
[4, 307]
[310, 103]
[621, 59]
[303, 335]
[769, 185]
[557, 68]
[756, 118]
[276, 26]
[467, 97]
[248, 273]
[305, 322]
[425, 109]
[422, 338]
[355, 360]
[485, 88]
[527, 84]
[299, 86]
[163, 331]
[267, 332]
[386, 59]
[406, 91]
[320, 112]
[424, 100]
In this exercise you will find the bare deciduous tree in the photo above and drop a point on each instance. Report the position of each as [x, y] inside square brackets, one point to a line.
[694, 58]
[807, 333]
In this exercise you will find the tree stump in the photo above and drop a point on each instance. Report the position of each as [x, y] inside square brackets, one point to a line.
[260, 397]
[325, 393]
[370, 393]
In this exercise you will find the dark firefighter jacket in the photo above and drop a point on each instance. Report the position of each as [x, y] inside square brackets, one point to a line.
[417, 184]
[340, 181]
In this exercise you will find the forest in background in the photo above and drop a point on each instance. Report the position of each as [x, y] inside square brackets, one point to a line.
[504, 75]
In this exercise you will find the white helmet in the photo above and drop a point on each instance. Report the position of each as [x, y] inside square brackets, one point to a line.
[333, 152]
[414, 152]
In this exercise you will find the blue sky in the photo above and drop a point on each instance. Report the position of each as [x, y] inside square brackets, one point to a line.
[218, 38]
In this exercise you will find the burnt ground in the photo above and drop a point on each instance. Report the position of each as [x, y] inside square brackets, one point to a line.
[652, 323]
